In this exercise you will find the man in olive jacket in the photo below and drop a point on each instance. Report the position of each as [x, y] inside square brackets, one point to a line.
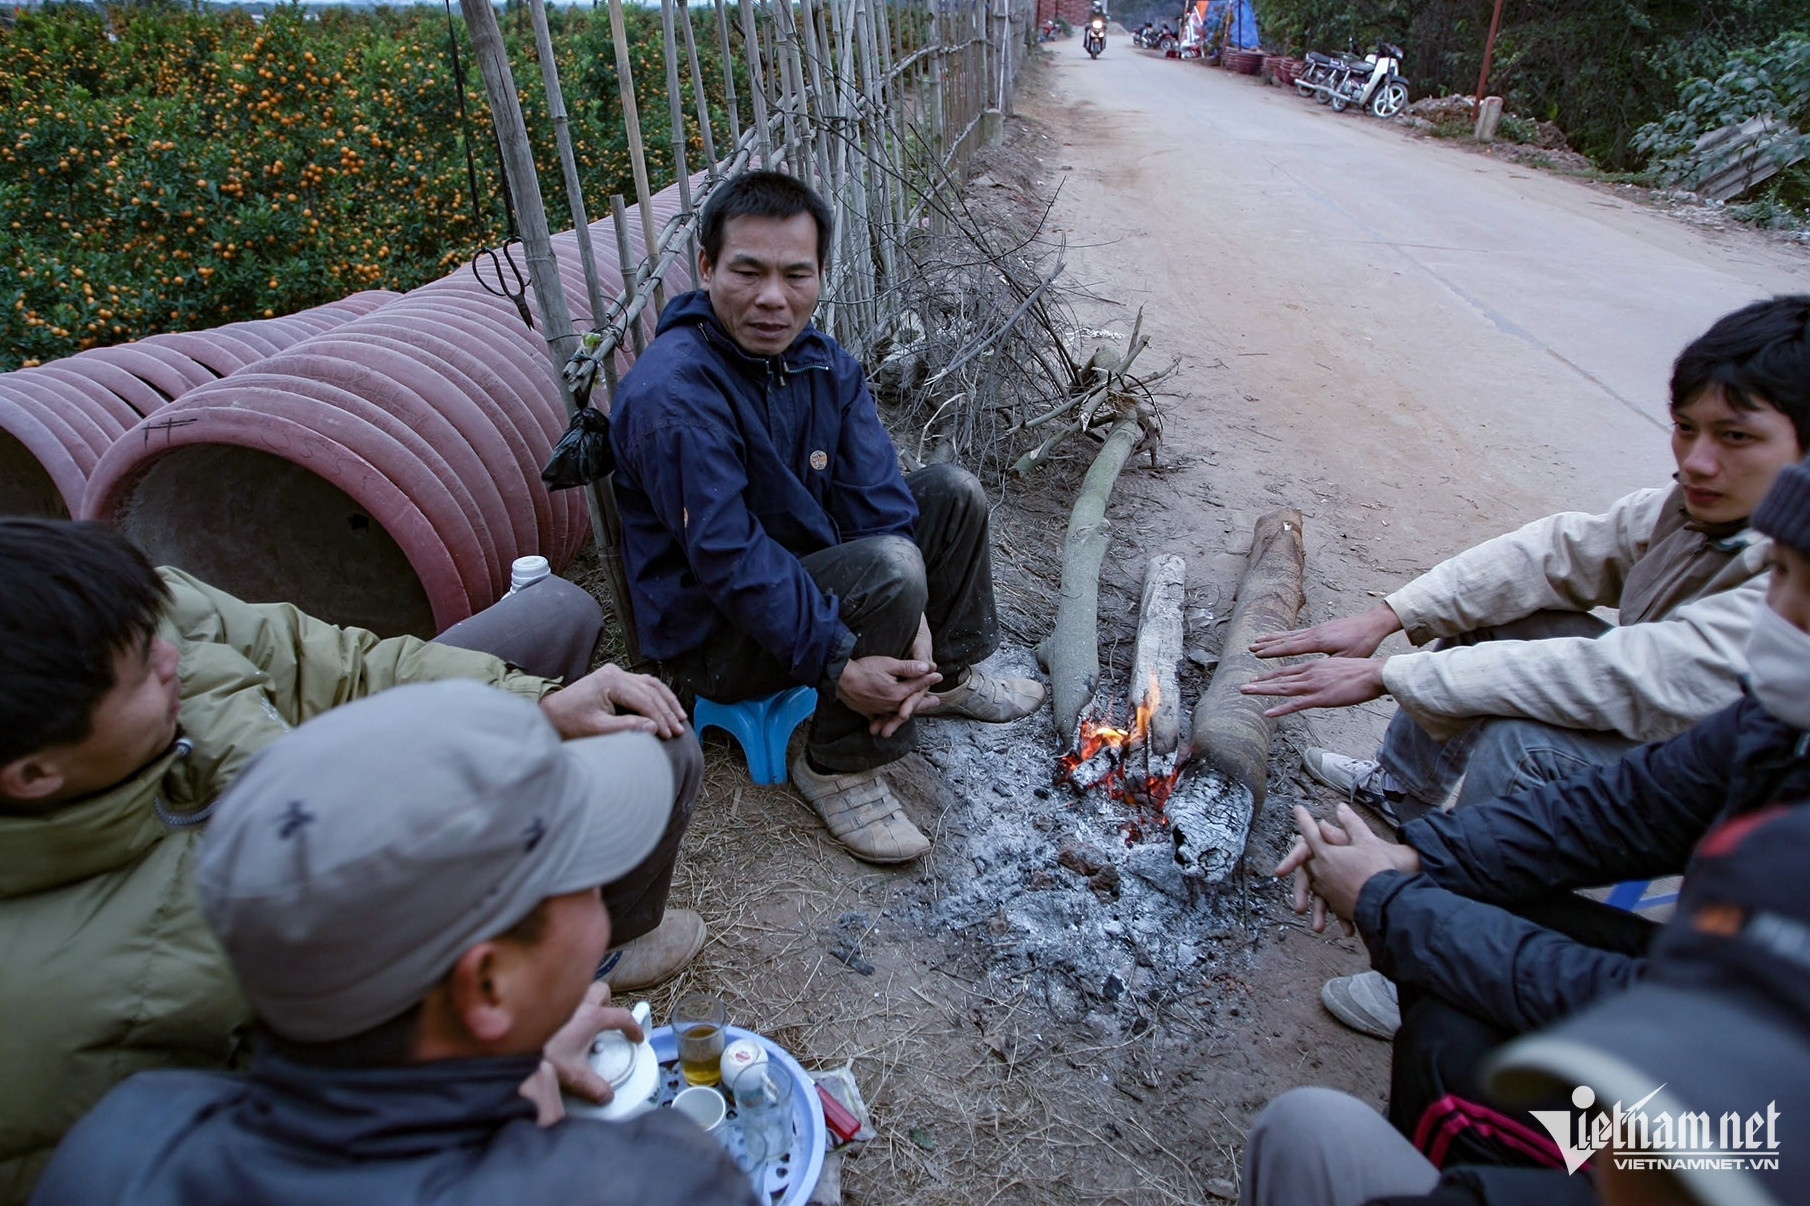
[129, 699]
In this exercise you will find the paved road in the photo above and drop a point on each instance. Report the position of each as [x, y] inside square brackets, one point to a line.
[1457, 339]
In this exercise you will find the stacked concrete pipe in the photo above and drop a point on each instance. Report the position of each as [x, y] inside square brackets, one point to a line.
[382, 473]
[58, 419]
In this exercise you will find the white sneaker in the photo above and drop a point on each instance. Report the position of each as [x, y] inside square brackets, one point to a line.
[1365, 1002]
[1360, 780]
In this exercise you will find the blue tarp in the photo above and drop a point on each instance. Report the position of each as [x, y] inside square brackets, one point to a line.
[1243, 34]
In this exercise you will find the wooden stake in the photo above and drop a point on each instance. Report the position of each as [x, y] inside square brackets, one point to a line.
[757, 82]
[631, 270]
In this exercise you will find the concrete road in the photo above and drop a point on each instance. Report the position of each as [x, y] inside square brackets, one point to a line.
[1425, 331]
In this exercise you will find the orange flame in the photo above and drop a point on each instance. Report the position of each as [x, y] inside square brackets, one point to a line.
[1147, 793]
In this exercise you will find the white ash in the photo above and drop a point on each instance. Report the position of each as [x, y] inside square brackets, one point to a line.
[995, 876]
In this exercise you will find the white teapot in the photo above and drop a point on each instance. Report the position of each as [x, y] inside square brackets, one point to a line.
[632, 1069]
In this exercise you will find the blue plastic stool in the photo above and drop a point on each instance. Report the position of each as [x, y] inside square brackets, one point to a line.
[763, 727]
[1632, 896]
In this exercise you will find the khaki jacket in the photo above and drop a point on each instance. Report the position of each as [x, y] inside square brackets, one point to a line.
[1686, 600]
[106, 965]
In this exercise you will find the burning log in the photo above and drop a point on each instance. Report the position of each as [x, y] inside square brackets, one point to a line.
[1230, 741]
[1072, 651]
[1155, 683]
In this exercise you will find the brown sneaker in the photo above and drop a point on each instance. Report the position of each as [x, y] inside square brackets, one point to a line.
[656, 956]
[980, 696]
[861, 813]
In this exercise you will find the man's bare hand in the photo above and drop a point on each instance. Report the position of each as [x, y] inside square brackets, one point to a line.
[1338, 870]
[568, 1052]
[1331, 682]
[886, 690]
[1295, 865]
[542, 1088]
[611, 700]
[1353, 636]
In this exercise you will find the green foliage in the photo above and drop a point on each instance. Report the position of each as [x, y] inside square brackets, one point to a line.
[165, 168]
[1599, 68]
[1770, 83]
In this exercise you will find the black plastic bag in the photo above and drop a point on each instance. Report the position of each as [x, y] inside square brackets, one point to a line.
[583, 454]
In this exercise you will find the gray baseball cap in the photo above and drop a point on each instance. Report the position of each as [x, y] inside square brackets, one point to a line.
[355, 859]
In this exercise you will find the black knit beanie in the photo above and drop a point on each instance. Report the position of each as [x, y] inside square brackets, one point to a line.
[1784, 514]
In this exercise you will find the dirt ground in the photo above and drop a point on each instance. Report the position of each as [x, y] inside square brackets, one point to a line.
[991, 1080]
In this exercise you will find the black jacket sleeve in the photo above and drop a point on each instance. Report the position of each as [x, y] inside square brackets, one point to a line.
[1480, 957]
[1636, 818]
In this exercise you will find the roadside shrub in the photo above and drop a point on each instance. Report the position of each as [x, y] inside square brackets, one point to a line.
[1771, 84]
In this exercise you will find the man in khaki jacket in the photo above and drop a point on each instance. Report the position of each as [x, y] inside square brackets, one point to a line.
[129, 699]
[1523, 685]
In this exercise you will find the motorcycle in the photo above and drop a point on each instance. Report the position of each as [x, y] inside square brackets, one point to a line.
[1372, 82]
[1049, 31]
[1094, 40]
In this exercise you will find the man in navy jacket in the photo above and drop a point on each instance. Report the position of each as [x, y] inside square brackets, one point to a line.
[769, 536]
[1474, 915]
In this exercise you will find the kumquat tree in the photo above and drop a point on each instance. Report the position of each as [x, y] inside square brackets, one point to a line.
[166, 168]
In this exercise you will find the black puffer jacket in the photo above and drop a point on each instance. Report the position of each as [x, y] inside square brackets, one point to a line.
[1449, 930]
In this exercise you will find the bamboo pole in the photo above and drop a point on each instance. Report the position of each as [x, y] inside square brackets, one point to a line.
[637, 156]
[722, 40]
[698, 95]
[675, 105]
[757, 84]
[543, 270]
[631, 268]
[568, 163]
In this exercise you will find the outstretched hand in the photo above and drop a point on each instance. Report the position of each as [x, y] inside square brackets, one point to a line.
[1352, 636]
[611, 700]
[1331, 682]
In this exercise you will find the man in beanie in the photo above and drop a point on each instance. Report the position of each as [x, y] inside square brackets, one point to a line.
[1700, 1073]
[1521, 683]
[1474, 914]
[409, 890]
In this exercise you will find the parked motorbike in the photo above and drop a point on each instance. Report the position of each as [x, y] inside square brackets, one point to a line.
[1049, 31]
[1374, 81]
[1094, 40]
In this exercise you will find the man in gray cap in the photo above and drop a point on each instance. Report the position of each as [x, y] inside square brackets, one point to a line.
[410, 889]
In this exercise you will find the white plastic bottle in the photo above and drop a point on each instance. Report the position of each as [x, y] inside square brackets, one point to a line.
[525, 572]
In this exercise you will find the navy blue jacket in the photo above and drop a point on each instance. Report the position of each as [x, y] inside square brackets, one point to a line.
[1449, 929]
[729, 468]
[450, 1132]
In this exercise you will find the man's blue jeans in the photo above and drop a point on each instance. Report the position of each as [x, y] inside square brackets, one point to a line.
[1496, 755]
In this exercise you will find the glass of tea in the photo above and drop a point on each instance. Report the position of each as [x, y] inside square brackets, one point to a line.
[699, 1023]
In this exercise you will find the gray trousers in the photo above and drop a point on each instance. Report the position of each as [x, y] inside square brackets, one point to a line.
[550, 630]
[1320, 1147]
[1499, 755]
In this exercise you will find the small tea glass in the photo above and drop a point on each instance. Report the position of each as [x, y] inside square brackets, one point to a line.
[699, 1024]
[763, 1110]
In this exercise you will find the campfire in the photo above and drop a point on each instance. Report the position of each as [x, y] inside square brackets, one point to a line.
[1123, 762]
